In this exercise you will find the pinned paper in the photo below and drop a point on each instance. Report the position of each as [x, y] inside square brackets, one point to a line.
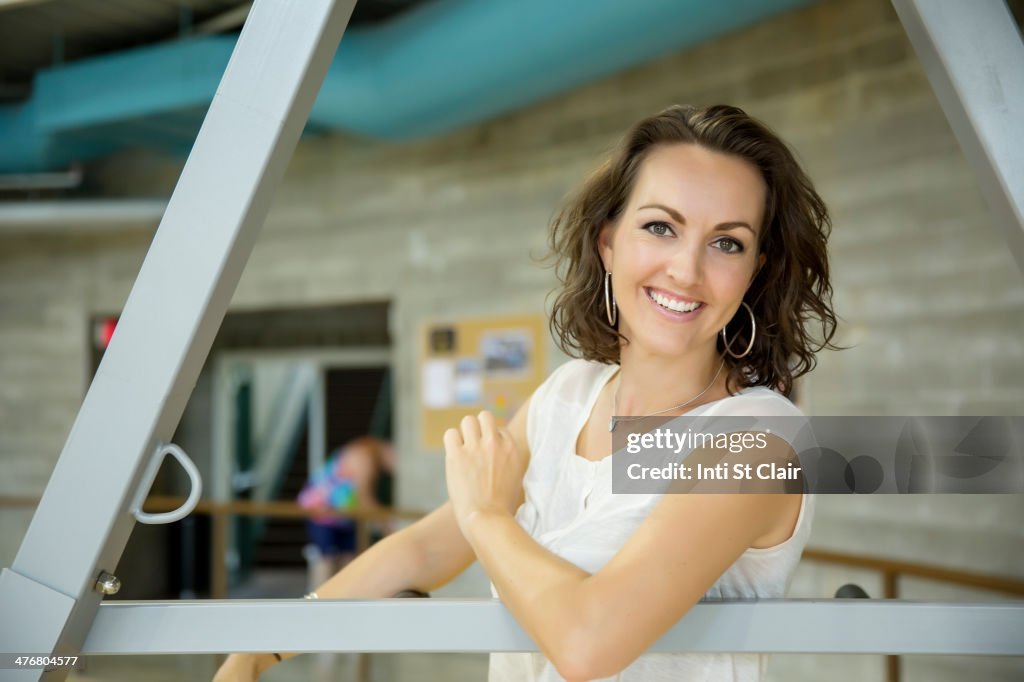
[438, 384]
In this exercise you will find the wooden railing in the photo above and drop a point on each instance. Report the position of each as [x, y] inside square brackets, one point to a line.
[221, 512]
[893, 570]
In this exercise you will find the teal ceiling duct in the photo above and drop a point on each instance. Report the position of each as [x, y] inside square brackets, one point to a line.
[435, 68]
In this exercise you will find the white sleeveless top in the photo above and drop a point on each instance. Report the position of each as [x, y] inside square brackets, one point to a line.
[571, 511]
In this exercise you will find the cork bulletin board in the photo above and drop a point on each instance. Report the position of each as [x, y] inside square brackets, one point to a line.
[472, 364]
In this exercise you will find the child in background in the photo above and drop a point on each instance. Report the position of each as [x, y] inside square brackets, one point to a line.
[348, 480]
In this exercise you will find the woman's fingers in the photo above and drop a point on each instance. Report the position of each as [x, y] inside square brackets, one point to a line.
[488, 428]
[470, 430]
[475, 430]
[504, 436]
[452, 439]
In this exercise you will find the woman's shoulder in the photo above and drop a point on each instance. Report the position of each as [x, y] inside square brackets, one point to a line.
[771, 410]
[574, 379]
[558, 400]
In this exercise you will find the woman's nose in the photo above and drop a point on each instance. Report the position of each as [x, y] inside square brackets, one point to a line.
[686, 265]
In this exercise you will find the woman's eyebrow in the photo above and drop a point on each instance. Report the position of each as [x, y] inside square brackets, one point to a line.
[678, 217]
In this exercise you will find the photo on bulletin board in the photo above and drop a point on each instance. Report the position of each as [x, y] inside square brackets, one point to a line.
[442, 340]
[469, 381]
[507, 352]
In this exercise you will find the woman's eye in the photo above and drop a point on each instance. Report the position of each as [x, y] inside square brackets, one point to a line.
[658, 229]
[729, 245]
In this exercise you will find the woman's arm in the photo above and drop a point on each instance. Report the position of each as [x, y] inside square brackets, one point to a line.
[424, 556]
[595, 625]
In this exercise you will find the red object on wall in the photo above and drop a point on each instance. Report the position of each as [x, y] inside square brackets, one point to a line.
[105, 331]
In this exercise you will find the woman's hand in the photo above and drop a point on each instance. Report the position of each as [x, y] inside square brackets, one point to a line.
[241, 668]
[484, 468]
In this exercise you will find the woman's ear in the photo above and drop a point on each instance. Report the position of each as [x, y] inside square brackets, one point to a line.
[604, 245]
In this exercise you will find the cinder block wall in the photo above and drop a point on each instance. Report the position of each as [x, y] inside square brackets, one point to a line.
[931, 301]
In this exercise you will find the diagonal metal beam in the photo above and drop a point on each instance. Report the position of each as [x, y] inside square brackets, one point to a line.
[974, 58]
[48, 598]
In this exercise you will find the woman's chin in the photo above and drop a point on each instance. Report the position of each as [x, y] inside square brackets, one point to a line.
[660, 348]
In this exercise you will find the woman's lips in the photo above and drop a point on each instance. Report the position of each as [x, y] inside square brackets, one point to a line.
[673, 314]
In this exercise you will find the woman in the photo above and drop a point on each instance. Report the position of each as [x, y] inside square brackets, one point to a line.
[691, 264]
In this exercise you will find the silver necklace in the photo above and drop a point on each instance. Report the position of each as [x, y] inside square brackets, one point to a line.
[614, 421]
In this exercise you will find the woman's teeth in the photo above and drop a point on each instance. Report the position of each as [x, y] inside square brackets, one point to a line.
[675, 306]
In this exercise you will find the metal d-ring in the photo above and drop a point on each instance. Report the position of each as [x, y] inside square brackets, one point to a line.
[186, 508]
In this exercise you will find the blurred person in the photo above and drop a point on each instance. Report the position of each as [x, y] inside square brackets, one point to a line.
[348, 480]
[693, 270]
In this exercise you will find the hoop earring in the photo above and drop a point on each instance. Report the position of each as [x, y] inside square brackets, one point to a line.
[611, 309]
[753, 334]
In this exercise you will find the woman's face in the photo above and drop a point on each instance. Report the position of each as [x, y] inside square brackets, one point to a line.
[684, 250]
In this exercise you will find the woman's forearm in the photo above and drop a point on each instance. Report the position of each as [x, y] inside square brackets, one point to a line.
[423, 556]
[543, 591]
[391, 565]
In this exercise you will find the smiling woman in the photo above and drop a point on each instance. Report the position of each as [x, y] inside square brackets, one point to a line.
[700, 245]
[689, 164]
[699, 214]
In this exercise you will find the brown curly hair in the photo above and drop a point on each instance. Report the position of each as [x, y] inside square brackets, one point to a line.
[788, 295]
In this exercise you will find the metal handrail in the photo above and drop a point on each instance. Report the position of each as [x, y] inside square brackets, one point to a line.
[819, 626]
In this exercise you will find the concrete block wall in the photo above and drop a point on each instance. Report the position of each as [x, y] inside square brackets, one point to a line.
[931, 302]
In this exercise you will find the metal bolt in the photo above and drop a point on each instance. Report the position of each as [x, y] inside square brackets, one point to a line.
[107, 583]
